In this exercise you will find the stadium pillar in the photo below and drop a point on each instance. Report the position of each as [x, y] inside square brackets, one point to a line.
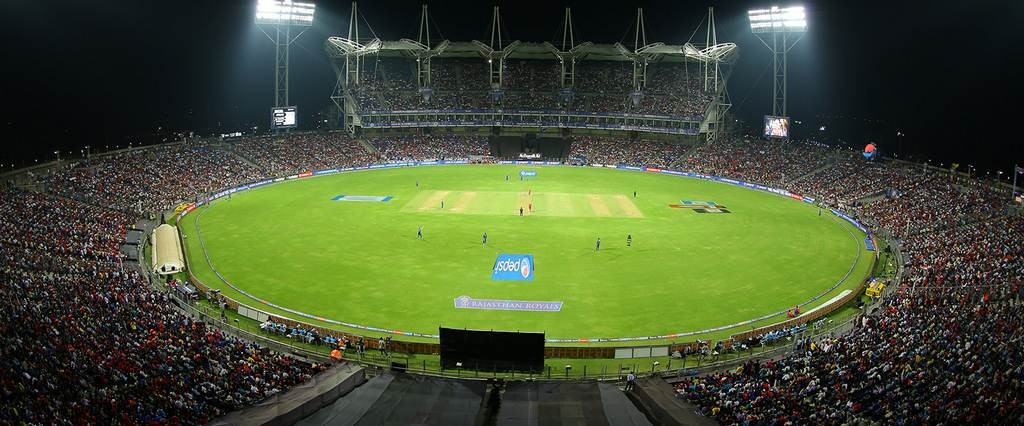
[710, 71]
[773, 27]
[639, 61]
[352, 61]
[280, 17]
[1016, 171]
[281, 51]
[568, 76]
[423, 60]
[496, 69]
[715, 76]
[779, 75]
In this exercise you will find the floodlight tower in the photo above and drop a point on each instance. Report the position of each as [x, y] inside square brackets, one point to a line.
[276, 19]
[783, 28]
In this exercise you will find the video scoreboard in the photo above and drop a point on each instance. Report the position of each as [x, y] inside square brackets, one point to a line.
[283, 118]
[776, 127]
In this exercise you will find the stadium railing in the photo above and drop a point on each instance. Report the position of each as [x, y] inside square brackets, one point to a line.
[611, 371]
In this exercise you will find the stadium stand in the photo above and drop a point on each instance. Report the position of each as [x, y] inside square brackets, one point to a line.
[767, 163]
[150, 179]
[429, 148]
[462, 84]
[945, 349]
[86, 337]
[592, 150]
[302, 152]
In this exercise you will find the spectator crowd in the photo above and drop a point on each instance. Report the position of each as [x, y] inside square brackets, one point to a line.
[946, 348]
[86, 337]
[672, 89]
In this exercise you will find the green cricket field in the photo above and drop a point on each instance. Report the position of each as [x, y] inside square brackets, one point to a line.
[344, 247]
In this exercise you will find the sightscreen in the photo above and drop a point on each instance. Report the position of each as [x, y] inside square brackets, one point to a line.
[776, 127]
[492, 350]
[283, 118]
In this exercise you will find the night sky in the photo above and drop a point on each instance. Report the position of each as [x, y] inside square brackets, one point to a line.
[104, 73]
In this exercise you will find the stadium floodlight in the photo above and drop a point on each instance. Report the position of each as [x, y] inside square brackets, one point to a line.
[280, 16]
[773, 26]
[284, 12]
[789, 19]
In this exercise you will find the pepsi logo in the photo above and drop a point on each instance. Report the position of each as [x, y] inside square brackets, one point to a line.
[524, 267]
[513, 267]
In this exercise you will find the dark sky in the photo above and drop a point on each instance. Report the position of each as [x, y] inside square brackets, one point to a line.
[105, 73]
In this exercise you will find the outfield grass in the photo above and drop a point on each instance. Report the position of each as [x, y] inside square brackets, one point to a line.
[360, 262]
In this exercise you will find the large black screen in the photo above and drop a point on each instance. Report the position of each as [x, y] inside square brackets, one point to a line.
[492, 350]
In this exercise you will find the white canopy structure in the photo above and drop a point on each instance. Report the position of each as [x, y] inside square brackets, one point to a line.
[167, 257]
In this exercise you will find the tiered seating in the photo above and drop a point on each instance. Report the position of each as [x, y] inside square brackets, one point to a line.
[85, 339]
[430, 148]
[302, 152]
[947, 353]
[592, 150]
[153, 179]
[602, 87]
[757, 161]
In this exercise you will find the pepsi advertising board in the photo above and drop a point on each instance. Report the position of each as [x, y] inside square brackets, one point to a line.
[513, 267]
[527, 173]
[283, 118]
[776, 127]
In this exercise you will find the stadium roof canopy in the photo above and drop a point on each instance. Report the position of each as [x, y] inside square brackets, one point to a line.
[339, 47]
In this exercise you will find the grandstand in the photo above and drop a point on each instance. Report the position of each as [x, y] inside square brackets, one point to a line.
[962, 273]
[91, 335]
[650, 87]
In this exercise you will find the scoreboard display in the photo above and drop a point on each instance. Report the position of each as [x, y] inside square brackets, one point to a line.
[776, 127]
[283, 118]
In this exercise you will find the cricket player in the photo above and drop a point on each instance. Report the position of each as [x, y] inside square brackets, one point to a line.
[419, 233]
[629, 240]
[485, 238]
[598, 247]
